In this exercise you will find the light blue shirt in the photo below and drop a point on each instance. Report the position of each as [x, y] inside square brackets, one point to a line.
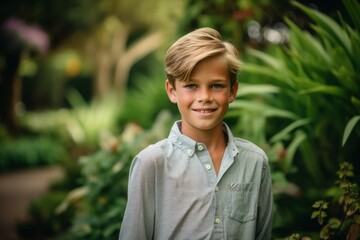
[174, 192]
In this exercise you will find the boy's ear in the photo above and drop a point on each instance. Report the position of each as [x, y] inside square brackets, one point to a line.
[233, 91]
[171, 91]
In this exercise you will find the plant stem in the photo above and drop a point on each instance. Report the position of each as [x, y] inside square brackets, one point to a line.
[341, 223]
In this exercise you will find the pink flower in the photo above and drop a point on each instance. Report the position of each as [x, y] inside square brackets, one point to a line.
[31, 35]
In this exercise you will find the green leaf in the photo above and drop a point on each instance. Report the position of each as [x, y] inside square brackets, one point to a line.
[300, 136]
[268, 59]
[272, 74]
[317, 204]
[355, 43]
[291, 127]
[304, 82]
[280, 181]
[264, 110]
[353, 8]
[314, 214]
[315, 54]
[356, 102]
[332, 90]
[247, 89]
[349, 127]
[328, 24]
[110, 230]
[323, 214]
[75, 98]
[334, 223]
[320, 220]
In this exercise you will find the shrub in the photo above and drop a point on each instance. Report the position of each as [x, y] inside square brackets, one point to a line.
[29, 152]
[101, 199]
[301, 103]
[43, 222]
[344, 209]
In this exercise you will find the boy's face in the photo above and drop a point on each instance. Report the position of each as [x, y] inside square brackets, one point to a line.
[204, 100]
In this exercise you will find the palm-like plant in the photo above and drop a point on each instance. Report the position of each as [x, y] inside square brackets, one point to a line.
[307, 100]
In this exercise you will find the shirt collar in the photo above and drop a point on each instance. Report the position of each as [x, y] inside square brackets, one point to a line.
[233, 150]
[188, 145]
[181, 141]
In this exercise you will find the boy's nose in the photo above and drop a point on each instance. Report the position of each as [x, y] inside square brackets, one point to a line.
[204, 95]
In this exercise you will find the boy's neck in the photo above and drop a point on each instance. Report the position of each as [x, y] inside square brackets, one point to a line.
[215, 141]
[213, 138]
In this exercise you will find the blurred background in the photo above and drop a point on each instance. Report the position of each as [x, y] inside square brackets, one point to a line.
[82, 91]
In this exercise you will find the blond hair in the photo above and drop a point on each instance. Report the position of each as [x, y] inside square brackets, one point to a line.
[187, 51]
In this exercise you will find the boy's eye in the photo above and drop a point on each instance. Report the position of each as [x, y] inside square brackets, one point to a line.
[217, 86]
[190, 86]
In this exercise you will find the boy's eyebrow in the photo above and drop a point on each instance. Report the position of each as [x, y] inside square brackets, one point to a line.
[212, 80]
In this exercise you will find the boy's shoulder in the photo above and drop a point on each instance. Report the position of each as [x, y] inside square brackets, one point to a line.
[152, 150]
[246, 145]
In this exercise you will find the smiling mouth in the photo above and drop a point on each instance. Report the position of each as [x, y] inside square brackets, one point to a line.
[204, 110]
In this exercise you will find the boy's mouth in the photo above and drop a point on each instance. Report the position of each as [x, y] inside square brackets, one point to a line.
[204, 110]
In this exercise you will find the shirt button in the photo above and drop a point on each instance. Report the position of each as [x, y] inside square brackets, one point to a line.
[208, 166]
[216, 189]
[200, 147]
[217, 220]
[189, 151]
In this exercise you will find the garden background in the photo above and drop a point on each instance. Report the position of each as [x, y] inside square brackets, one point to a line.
[82, 87]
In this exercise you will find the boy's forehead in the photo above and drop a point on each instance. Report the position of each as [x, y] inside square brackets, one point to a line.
[195, 79]
[218, 62]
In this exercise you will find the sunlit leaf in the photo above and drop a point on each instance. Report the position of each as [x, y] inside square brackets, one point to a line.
[247, 89]
[349, 128]
[325, 89]
[265, 110]
[268, 59]
[300, 136]
[328, 24]
[291, 127]
[315, 54]
[355, 101]
[314, 214]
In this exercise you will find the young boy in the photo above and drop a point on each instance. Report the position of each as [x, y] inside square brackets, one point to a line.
[201, 182]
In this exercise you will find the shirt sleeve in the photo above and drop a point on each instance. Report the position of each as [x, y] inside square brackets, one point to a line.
[138, 221]
[264, 222]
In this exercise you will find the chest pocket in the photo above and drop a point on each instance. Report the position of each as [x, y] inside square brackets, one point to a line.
[242, 203]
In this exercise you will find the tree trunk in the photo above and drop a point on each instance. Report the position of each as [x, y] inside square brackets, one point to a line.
[10, 92]
[134, 53]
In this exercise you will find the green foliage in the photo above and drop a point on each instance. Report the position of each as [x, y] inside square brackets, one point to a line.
[43, 221]
[102, 191]
[349, 128]
[314, 83]
[296, 236]
[90, 120]
[299, 101]
[101, 199]
[310, 103]
[82, 124]
[145, 101]
[227, 16]
[29, 152]
[345, 209]
[320, 213]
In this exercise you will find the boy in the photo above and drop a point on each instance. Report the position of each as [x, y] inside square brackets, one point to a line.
[200, 182]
